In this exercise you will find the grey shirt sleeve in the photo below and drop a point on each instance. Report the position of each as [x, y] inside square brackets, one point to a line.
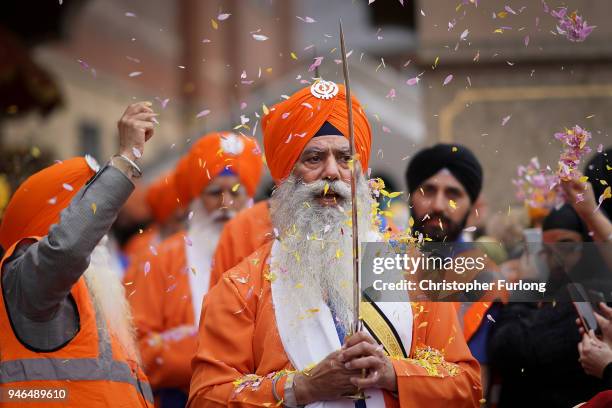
[37, 279]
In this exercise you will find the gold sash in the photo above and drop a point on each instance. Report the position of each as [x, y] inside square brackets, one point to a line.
[382, 330]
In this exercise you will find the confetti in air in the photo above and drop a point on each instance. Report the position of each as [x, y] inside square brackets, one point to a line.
[572, 26]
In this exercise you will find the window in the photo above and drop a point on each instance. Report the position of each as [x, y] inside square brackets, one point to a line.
[392, 13]
[89, 139]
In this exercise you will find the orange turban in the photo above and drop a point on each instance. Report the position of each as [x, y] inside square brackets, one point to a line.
[211, 155]
[162, 197]
[537, 213]
[37, 203]
[292, 123]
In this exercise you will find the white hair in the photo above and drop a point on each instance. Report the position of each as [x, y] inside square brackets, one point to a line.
[108, 296]
[316, 242]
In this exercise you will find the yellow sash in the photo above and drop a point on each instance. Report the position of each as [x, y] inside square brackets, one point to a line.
[382, 330]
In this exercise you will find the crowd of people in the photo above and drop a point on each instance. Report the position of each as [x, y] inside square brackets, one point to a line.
[223, 301]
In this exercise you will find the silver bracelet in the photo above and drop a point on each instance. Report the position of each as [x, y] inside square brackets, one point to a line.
[131, 163]
[289, 400]
[274, 393]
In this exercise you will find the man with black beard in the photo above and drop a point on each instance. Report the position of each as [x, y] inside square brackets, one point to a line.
[444, 182]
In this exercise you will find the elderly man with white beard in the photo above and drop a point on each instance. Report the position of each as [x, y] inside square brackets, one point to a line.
[274, 330]
[66, 329]
[216, 178]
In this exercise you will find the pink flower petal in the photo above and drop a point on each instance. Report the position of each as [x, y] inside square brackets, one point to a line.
[447, 80]
[509, 10]
[203, 113]
[307, 19]
[317, 62]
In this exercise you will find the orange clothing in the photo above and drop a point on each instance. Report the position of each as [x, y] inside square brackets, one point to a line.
[290, 125]
[238, 336]
[141, 242]
[472, 317]
[162, 197]
[90, 376]
[250, 229]
[37, 203]
[161, 301]
[182, 184]
[213, 153]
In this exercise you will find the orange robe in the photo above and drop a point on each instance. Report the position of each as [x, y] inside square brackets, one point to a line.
[238, 336]
[161, 301]
[141, 242]
[250, 229]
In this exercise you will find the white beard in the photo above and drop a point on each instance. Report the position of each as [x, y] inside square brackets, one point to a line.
[203, 228]
[316, 243]
[108, 296]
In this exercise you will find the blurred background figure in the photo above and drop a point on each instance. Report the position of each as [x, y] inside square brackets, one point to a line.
[599, 172]
[530, 339]
[167, 282]
[167, 216]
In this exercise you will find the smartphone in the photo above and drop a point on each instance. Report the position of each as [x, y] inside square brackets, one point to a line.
[596, 297]
[584, 308]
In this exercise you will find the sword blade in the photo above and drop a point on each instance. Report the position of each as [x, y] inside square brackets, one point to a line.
[355, 226]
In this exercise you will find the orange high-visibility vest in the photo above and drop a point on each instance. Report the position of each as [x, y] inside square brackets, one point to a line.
[91, 369]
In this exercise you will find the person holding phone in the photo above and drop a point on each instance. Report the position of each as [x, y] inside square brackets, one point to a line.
[534, 344]
[596, 352]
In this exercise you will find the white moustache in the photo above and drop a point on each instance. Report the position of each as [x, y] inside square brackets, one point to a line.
[317, 188]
